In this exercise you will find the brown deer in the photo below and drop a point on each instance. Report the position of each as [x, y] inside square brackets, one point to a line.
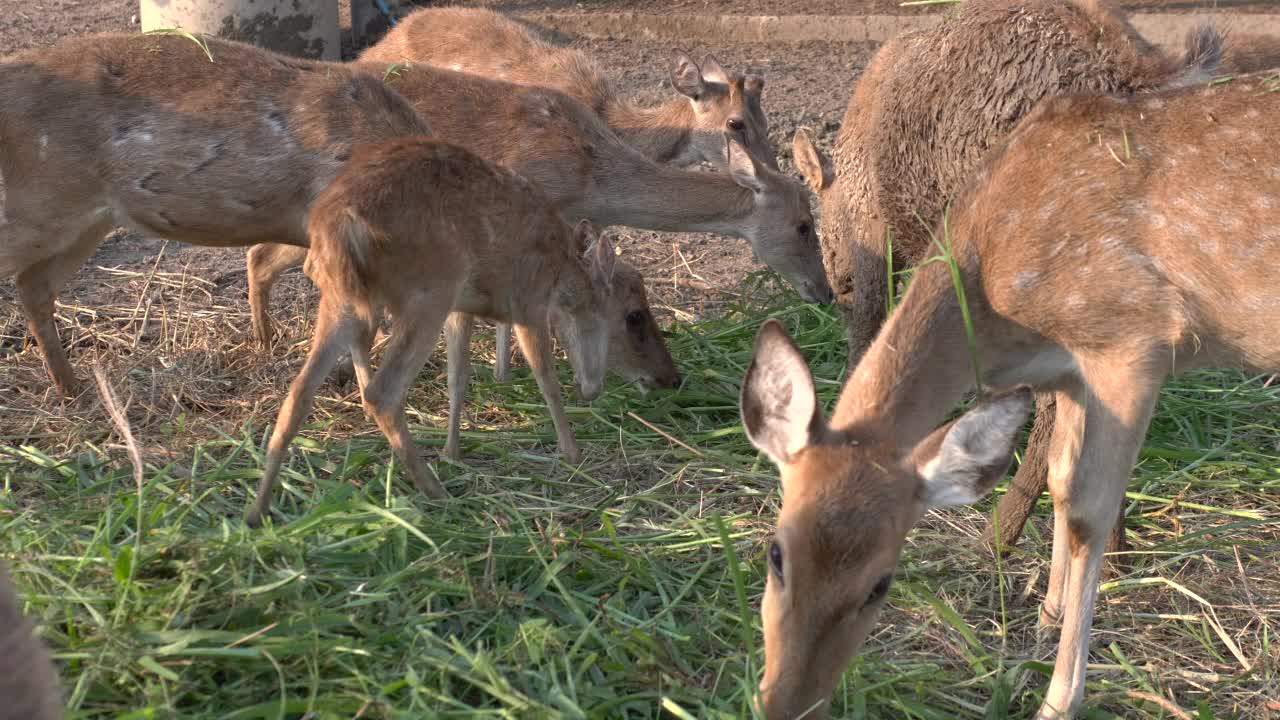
[1110, 242]
[924, 113]
[430, 232]
[687, 129]
[149, 132]
[28, 680]
[1241, 53]
[586, 171]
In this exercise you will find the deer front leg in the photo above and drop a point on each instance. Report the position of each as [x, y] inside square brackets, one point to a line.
[457, 336]
[264, 263]
[535, 343]
[1117, 411]
[38, 287]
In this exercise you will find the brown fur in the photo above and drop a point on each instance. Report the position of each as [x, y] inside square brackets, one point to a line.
[1107, 243]
[916, 128]
[141, 131]
[586, 171]
[683, 130]
[1241, 53]
[424, 230]
[28, 680]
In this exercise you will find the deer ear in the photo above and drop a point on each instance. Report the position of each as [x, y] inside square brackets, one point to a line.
[812, 164]
[584, 234]
[686, 77]
[754, 85]
[778, 403]
[961, 461]
[602, 260]
[712, 72]
[742, 167]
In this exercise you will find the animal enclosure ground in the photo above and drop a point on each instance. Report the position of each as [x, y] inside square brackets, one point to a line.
[626, 587]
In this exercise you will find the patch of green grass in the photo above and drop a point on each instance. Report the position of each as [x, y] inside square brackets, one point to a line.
[624, 588]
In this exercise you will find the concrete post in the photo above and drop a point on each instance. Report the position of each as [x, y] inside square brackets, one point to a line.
[306, 28]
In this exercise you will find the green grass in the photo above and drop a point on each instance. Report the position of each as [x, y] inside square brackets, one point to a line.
[627, 588]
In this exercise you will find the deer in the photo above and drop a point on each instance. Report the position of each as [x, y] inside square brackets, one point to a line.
[586, 171]
[138, 130]
[686, 130]
[1107, 243]
[28, 679]
[923, 115]
[1249, 52]
[431, 233]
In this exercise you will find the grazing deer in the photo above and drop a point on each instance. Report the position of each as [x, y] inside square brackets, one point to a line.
[430, 232]
[148, 132]
[1110, 242]
[683, 131]
[924, 114]
[586, 171]
[28, 680]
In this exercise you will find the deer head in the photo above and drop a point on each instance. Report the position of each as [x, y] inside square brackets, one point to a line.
[722, 103]
[580, 309]
[849, 499]
[637, 350]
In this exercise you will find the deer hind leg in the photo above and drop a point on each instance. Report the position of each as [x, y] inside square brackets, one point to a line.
[535, 343]
[502, 352]
[264, 263]
[336, 327]
[38, 286]
[457, 335]
[414, 330]
[1110, 419]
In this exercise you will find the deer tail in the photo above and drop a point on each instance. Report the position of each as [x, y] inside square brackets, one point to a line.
[1201, 56]
[341, 263]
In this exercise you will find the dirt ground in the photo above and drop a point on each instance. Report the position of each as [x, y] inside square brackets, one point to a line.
[689, 274]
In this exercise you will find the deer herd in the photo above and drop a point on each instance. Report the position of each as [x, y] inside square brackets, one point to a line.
[1087, 215]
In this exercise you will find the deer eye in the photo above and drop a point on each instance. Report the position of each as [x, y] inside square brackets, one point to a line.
[879, 591]
[635, 318]
[803, 229]
[736, 124]
[775, 561]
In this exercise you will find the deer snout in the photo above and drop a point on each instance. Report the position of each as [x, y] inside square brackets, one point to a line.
[590, 390]
[817, 292]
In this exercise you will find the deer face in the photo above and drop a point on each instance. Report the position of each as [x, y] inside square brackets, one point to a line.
[849, 500]
[722, 103]
[637, 350]
[581, 309]
[780, 227]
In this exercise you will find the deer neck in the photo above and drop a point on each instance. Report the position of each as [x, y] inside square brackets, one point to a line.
[919, 366]
[661, 133]
[643, 195]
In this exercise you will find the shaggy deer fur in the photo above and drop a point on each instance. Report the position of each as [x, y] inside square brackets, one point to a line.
[145, 131]
[429, 232]
[924, 113]
[1110, 242]
[683, 131]
[28, 680]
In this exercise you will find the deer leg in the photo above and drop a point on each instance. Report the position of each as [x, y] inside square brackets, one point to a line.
[335, 329]
[535, 343]
[1063, 457]
[38, 287]
[1117, 411]
[414, 331]
[1027, 484]
[502, 352]
[457, 335]
[264, 263]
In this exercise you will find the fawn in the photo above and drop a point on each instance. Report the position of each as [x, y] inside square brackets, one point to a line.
[432, 233]
[1107, 243]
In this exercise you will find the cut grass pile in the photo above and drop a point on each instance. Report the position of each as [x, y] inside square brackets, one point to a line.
[627, 587]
